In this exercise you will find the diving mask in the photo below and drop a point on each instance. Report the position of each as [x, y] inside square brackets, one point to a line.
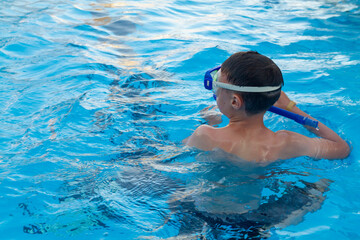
[211, 83]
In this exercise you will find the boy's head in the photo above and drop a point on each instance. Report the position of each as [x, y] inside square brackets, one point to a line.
[253, 69]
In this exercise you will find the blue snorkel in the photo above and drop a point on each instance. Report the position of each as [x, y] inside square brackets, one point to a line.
[209, 82]
[296, 117]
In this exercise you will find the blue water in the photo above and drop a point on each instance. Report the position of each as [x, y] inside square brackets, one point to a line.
[96, 97]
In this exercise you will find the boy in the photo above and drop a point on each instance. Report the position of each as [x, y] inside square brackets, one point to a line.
[259, 81]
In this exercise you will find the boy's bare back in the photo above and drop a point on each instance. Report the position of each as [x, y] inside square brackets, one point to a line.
[266, 146]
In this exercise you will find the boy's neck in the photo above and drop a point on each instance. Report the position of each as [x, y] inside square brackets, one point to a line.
[250, 122]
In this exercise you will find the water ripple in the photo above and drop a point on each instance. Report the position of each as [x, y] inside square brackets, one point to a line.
[95, 99]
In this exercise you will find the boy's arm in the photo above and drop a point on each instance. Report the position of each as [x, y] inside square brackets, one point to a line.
[330, 145]
[211, 116]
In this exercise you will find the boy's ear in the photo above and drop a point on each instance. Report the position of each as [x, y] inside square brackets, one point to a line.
[237, 102]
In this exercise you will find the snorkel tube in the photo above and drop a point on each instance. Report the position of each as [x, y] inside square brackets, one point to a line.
[296, 117]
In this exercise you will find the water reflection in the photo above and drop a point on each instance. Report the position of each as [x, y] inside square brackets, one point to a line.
[210, 197]
[121, 27]
[244, 199]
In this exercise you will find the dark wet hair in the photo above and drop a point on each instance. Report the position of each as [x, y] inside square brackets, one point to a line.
[256, 70]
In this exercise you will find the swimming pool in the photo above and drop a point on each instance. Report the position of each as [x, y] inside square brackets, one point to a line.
[96, 97]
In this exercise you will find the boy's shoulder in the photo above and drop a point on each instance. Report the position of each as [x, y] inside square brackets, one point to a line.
[202, 137]
[292, 144]
[205, 129]
[282, 144]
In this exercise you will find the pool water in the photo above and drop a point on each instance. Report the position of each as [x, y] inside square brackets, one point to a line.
[96, 97]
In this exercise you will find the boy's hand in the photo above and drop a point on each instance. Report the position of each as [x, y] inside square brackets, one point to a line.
[283, 101]
[211, 116]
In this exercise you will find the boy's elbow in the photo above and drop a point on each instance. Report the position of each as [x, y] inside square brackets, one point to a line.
[345, 150]
[342, 151]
